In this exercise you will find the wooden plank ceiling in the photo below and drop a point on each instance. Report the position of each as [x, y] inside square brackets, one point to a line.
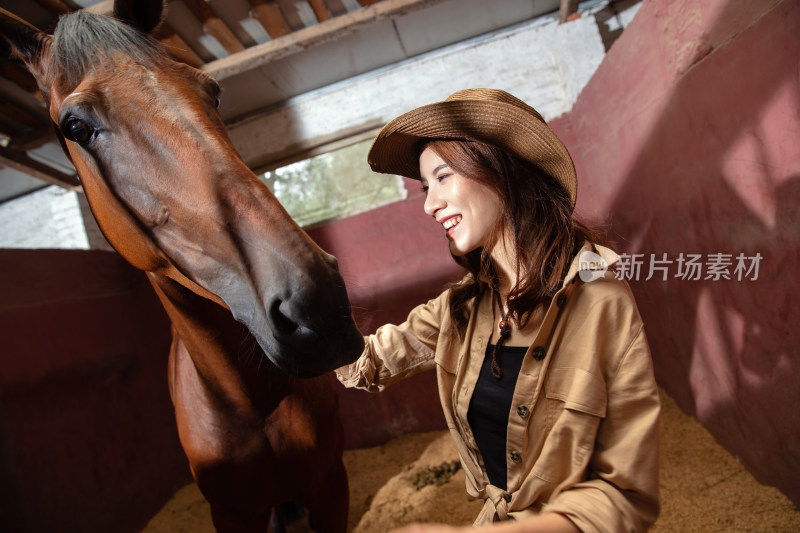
[283, 48]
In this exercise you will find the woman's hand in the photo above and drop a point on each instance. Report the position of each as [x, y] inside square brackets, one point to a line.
[543, 523]
[434, 528]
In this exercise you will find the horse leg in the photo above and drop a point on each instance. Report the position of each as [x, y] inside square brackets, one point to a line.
[290, 517]
[234, 520]
[328, 503]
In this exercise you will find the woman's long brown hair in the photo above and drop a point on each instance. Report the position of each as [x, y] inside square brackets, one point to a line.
[539, 214]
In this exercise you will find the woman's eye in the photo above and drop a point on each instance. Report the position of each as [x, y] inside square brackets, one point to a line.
[425, 189]
[441, 177]
[78, 131]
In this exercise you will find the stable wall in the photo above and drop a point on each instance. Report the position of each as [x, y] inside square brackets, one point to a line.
[686, 141]
[87, 432]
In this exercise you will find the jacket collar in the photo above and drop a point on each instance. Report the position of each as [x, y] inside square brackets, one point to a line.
[591, 259]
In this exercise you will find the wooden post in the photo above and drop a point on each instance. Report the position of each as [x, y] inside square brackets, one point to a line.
[568, 7]
[268, 13]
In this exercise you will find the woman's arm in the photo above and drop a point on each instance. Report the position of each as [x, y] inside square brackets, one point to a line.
[394, 352]
[543, 523]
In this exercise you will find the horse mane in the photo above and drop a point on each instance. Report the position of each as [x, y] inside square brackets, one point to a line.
[85, 41]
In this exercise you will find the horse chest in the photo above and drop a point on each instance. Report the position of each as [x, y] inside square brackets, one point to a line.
[277, 436]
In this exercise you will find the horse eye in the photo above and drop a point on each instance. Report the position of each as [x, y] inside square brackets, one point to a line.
[78, 131]
[216, 92]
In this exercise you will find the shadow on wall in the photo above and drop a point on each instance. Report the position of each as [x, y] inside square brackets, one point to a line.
[705, 144]
[87, 430]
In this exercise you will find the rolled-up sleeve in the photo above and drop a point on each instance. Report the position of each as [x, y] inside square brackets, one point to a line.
[395, 352]
[621, 492]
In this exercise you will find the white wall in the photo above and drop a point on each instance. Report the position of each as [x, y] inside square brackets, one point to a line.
[541, 62]
[48, 218]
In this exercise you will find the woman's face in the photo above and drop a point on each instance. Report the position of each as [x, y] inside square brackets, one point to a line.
[467, 209]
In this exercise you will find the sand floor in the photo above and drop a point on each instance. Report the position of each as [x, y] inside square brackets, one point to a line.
[703, 488]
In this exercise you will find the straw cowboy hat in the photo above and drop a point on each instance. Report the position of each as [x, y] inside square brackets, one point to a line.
[487, 115]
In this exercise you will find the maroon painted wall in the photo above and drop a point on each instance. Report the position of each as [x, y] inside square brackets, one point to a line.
[87, 433]
[686, 140]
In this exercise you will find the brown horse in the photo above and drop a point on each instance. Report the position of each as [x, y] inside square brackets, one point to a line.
[254, 303]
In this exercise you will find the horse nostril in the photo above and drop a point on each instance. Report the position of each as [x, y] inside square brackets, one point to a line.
[281, 322]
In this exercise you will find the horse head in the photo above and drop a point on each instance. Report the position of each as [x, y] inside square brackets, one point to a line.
[169, 191]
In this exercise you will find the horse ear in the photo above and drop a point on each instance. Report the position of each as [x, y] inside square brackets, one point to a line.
[25, 40]
[143, 15]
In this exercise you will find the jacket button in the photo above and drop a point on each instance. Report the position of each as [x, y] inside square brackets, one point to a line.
[523, 411]
[538, 353]
[561, 300]
[516, 457]
[507, 497]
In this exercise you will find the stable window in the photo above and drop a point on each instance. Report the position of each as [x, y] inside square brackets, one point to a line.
[333, 185]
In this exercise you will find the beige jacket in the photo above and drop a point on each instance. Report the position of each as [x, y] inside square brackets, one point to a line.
[583, 427]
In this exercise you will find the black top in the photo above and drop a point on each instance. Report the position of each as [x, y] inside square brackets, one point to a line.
[489, 410]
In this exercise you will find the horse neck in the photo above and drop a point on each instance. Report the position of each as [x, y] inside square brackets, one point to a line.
[227, 358]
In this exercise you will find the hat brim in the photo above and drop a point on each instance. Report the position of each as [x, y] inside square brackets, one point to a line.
[395, 149]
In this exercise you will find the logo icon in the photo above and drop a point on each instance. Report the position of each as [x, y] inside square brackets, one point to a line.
[591, 266]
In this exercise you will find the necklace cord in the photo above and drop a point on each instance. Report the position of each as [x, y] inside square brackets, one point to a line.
[505, 332]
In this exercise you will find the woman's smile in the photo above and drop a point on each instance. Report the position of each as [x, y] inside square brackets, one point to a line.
[451, 223]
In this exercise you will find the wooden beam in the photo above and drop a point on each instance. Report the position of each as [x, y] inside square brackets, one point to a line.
[176, 46]
[320, 10]
[55, 7]
[261, 54]
[32, 139]
[23, 163]
[335, 7]
[268, 13]
[310, 150]
[19, 76]
[71, 4]
[567, 9]
[290, 9]
[7, 131]
[214, 26]
[102, 8]
[19, 115]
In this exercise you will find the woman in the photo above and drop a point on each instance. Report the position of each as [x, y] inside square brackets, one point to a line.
[543, 368]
